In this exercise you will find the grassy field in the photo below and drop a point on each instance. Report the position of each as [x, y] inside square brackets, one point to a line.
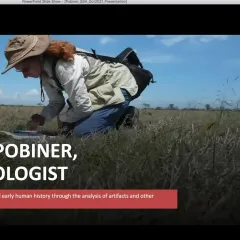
[196, 152]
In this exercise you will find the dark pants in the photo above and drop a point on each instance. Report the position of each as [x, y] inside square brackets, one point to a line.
[102, 120]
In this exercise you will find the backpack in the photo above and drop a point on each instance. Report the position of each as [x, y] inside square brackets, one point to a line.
[129, 58]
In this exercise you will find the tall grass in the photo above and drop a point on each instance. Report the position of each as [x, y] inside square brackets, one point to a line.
[196, 152]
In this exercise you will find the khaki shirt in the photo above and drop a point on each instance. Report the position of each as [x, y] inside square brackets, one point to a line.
[77, 78]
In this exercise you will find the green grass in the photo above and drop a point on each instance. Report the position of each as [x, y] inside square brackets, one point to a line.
[196, 152]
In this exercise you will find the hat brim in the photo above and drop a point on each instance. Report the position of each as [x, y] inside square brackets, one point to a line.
[40, 47]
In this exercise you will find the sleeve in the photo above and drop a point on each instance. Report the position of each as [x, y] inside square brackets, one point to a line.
[71, 75]
[56, 102]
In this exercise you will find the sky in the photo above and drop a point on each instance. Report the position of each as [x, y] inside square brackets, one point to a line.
[190, 70]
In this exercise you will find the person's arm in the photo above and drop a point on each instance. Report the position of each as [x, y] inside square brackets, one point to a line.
[55, 106]
[71, 76]
[56, 102]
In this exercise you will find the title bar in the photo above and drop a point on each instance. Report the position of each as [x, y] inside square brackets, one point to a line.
[88, 199]
[116, 2]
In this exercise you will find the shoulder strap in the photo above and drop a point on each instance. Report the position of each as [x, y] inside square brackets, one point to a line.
[101, 57]
[127, 55]
[54, 63]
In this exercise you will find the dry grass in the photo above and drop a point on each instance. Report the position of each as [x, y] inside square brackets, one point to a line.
[196, 152]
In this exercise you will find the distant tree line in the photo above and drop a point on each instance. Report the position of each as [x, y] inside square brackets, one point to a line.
[207, 107]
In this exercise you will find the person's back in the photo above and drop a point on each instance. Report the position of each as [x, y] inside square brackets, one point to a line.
[103, 80]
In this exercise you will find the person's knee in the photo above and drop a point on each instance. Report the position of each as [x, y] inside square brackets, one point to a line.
[84, 131]
[103, 120]
[81, 130]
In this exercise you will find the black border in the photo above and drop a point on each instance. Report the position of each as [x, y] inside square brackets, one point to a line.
[128, 19]
[120, 232]
[159, 19]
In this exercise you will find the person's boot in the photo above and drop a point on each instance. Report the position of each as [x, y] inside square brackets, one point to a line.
[65, 129]
[129, 119]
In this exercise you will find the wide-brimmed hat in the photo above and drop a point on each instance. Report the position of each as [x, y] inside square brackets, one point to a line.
[21, 47]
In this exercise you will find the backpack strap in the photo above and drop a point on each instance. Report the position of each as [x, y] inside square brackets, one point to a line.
[101, 57]
[54, 63]
[127, 55]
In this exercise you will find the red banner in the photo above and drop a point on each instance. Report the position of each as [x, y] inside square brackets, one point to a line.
[88, 199]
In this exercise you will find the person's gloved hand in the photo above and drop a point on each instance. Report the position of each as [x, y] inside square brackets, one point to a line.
[32, 125]
[36, 121]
